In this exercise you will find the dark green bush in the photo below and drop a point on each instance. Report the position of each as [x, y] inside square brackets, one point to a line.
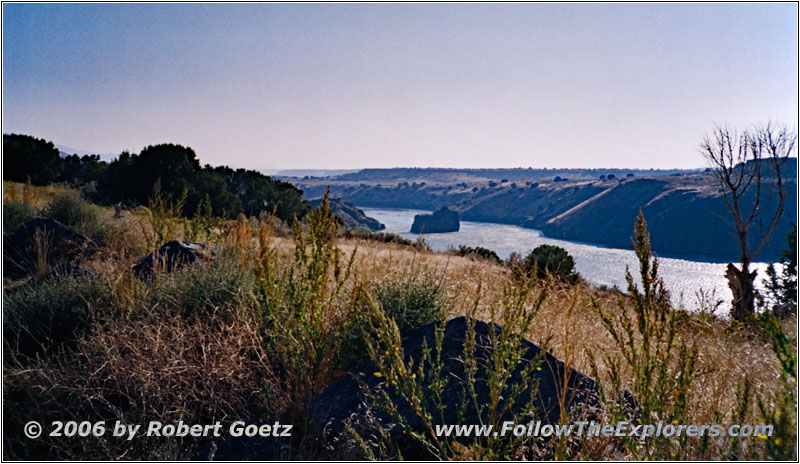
[552, 260]
[480, 252]
[53, 312]
[15, 214]
[413, 298]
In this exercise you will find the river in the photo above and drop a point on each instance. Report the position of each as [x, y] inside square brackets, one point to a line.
[599, 265]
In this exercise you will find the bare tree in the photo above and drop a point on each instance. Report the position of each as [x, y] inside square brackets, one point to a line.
[749, 164]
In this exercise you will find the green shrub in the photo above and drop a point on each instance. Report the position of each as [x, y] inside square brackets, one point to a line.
[70, 209]
[15, 214]
[53, 312]
[412, 298]
[553, 260]
[307, 310]
[480, 252]
[221, 283]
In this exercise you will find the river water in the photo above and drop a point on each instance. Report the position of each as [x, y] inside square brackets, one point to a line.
[599, 265]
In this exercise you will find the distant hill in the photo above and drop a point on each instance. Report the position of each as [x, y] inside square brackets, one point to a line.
[452, 176]
[686, 212]
[66, 151]
[300, 173]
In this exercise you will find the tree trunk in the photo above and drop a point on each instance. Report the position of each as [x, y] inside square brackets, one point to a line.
[742, 286]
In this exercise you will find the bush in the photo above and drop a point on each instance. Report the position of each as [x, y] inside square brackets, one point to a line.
[52, 313]
[553, 260]
[306, 307]
[480, 252]
[15, 214]
[412, 298]
[70, 209]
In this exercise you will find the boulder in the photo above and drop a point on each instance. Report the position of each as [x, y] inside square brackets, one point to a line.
[43, 241]
[442, 220]
[344, 401]
[171, 256]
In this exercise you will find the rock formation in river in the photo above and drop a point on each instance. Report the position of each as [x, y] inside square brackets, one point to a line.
[442, 220]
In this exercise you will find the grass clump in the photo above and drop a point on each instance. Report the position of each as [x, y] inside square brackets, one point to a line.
[222, 283]
[70, 209]
[413, 297]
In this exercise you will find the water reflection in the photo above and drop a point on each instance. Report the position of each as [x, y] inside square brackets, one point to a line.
[598, 265]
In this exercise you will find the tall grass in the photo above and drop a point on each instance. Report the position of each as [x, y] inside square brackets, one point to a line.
[662, 367]
[15, 214]
[305, 306]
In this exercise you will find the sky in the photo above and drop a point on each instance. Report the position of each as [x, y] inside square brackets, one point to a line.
[279, 86]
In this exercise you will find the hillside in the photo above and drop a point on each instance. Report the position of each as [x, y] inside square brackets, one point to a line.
[686, 212]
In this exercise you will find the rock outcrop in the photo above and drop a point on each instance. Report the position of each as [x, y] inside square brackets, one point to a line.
[344, 401]
[442, 220]
[171, 256]
[43, 246]
[351, 216]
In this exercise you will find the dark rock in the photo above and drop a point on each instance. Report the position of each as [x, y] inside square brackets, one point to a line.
[442, 220]
[351, 216]
[343, 401]
[60, 247]
[171, 256]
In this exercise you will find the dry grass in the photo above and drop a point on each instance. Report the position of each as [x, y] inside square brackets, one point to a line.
[141, 364]
[37, 196]
[145, 361]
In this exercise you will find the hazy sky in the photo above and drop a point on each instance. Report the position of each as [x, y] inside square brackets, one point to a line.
[382, 85]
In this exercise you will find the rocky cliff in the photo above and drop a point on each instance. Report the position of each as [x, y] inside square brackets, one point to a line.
[351, 217]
